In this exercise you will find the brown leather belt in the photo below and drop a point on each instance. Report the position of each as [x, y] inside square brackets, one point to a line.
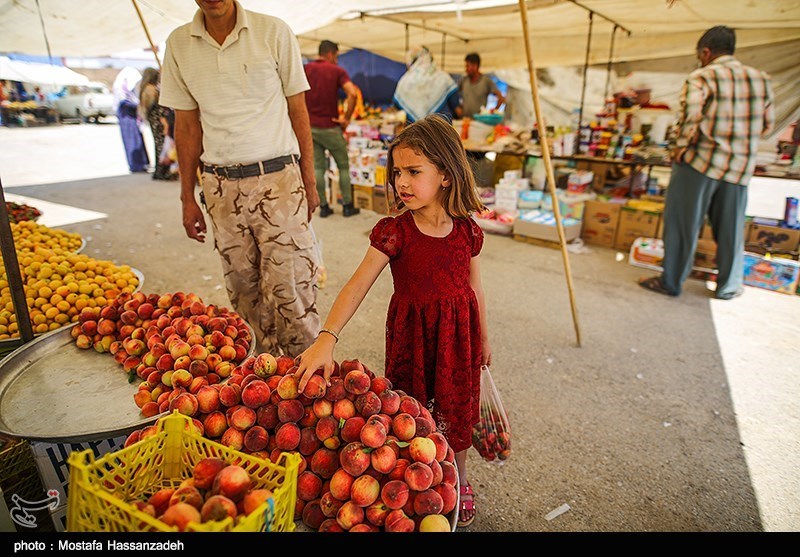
[239, 171]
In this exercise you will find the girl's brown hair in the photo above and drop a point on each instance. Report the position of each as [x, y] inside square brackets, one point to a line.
[437, 140]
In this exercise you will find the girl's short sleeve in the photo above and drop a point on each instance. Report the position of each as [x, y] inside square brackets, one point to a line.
[386, 237]
[476, 236]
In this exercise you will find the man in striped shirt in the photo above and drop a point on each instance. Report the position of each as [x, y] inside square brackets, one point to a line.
[726, 107]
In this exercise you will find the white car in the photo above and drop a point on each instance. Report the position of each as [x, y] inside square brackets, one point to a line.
[85, 102]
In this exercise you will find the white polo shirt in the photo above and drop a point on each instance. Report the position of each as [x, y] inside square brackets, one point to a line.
[240, 86]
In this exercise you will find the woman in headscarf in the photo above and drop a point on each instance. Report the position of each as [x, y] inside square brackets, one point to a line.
[154, 113]
[127, 101]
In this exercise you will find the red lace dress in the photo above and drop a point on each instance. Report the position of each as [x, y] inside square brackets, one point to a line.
[433, 331]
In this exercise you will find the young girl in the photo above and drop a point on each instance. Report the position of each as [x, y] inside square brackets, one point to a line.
[436, 335]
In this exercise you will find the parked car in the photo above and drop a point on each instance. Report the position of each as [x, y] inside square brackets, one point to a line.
[85, 102]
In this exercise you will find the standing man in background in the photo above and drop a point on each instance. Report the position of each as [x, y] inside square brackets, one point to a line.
[726, 107]
[235, 79]
[475, 87]
[326, 78]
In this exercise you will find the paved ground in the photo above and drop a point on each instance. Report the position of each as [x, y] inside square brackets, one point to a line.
[673, 414]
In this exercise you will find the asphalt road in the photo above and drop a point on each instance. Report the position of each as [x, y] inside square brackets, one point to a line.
[673, 415]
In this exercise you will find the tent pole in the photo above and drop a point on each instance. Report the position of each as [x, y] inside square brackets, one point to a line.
[147, 32]
[585, 68]
[17, 288]
[444, 41]
[551, 182]
[610, 58]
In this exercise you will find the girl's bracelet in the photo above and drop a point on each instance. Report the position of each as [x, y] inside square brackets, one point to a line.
[333, 334]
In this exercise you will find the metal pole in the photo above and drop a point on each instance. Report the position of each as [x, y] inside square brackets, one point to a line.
[147, 32]
[585, 68]
[444, 42]
[12, 273]
[551, 181]
[406, 41]
[610, 57]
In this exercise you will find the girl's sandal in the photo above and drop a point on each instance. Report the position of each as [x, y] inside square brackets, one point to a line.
[466, 504]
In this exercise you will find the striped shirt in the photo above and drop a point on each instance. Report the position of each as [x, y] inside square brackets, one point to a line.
[240, 87]
[726, 107]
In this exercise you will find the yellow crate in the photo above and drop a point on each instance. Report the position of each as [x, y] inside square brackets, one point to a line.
[15, 460]
[99, 489]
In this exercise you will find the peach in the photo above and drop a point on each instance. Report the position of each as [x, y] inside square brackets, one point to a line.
[230, 395]
[329, 504]
[449, 497]
[246, 379]
[409, 405]
[106, 327]
[267, 416]
[207, 399]
[373, 434]
[309, 443]
[385, 419]
[205, 471]
[213, 360]
[254, 499]
[365, 491]
[357, 382]
[180, 514]
[434, 523]
[418, 476]
[367, 404]
[160, 499]
[354, 459]
[324, 462]
[326, 427]
[424, 426]
[408, 508]
[376, 513]
[233, 482]
[343, 408]
[288, 387]
[322, 407]
[218, 507]
[244, 418]
[309, 486]
[141, 397]
[265, 365]
[428, 502]
[380, 384]
[330, 525]
[341, 483]
[233, 438]
[227, 353]
[309, 419]
[197, 352]
[390, 402]
[404, 426]
[181, 377]
[290, 410]
[187, 494]
[185, 403]
[132, 438]
[383, 459]
[165, 362]
[315, 388]
[394, 494]
[350, 365]
[438, 474]
[312, 514]
[179, 348]
[349, 515]
[398, 521]
[335, 391]
[287, 436]
[422, 449]
[351, 430]
[255, 393]
[215, 424]
[441, 444]
[196, 384]
[283, 364]
[223, 369]
[256, 438]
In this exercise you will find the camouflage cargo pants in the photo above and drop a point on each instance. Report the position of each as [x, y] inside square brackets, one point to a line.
[262, 234]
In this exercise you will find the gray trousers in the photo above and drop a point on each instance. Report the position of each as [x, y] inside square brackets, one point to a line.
[332, 139]
[690, 196]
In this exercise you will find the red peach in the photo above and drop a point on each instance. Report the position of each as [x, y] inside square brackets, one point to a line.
[309, 419]
[354, 459]
[309, 486]
[254, 499]
[404, 426]
[324, 462]
[309, 443]
[335, 391]
[267, 416]
[218, 507]
[215, 424]
[315, 388]
[390, 402]
[230, 395]
[383, 459]
[256, 438]
[449, 497]
[349, 515]
[418, 476]
[205, 471]
[327, 427]
[441, 444]
[351, 430]
[322, 407]
[187, 494]
[343, 409]
[409, 405]
[288, 387]
[350, 365]
[428, 502]
[283, 364]
[255, 393]
[181, 377]
[243, 418]
[132, 438]
[380, 384]
[376, 513]
[340, 484]
[265, 365]
[357, 382]
[185, 403]
[141, 397]
[385, 419]
[181, 514]
[422, 449]
[367, 404]
[207, 399]
[365, 491]
[227, 353]
[287, 436]
[329, 504]
[160, 499]
[312, 514]
[394, 494]
[196, 384]
[233, 482]
[424, 426]
[233, 438]
[438, 474]
[330, 525]
[373, 435]
[290, 410]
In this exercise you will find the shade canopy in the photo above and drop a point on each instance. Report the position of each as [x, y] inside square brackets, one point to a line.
[39, 74]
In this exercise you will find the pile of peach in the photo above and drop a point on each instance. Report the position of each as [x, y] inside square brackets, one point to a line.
[371, 456]
[175, 343]
[215, 492]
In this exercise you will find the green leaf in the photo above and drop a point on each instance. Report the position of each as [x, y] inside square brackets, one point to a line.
[341, 423]
[401, 444]
[132, 376]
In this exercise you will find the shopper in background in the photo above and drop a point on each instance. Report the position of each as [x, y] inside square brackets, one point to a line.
[475, 87]
[235, 79]
[151, 112]
[436, 333]
[326, 78]
[127, 100]
[725, 108]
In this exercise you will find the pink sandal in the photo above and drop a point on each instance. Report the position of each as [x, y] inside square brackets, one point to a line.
[466, 505]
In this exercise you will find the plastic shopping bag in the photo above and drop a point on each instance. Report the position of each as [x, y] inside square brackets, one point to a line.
[491, 436]
[322, 272]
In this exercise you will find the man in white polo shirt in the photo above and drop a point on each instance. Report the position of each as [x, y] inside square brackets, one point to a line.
[235, 79]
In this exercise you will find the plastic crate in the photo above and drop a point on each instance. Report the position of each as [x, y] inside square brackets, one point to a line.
[100, 489]
[15, 459]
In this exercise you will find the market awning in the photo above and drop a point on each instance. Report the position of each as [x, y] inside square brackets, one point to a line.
[40, 74]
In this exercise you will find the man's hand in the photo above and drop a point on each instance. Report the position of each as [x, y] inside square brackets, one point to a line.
[342, 121]
[193, 221]
[677, 154]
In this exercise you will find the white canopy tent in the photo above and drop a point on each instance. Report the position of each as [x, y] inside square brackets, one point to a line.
[39, 74]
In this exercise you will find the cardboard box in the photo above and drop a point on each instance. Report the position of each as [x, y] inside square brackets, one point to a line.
[635, 223]
[705, 256]
[542, 225]
[530, 199]
[383, 201]
[569, 205]
[649, 254]
[362, 196]
[600, 171]
[600, 220]
[774, 237]
[777, 274]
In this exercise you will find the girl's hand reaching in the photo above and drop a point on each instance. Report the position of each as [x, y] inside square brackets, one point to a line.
[318, 355]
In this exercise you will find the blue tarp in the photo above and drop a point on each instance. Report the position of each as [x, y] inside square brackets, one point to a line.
[375, 75]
